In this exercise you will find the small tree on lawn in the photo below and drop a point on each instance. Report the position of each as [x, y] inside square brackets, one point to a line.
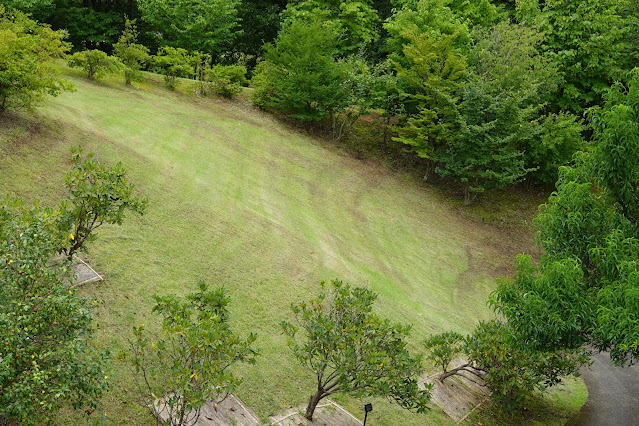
[132, 54]
[173, 63]
[99, 195]
[46, 358]
[352, 350]
[190, 365]
[95, 63]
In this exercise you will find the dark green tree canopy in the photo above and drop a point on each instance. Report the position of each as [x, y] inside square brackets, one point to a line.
[355, 21]
[302, 75]
[208, 26]
[585, 288]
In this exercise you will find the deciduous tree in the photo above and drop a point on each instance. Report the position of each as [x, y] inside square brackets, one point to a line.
[352, 350]
[303, 76]
[354, 20]
[98, 195]
[27, 50]
[584, 290]
[494, 356]
[584, 39]
[95, 63]
[131, 54]
[174, 63]
[208, 26]
[190, 365]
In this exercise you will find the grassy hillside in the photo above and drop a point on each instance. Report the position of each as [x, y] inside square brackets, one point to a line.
[236, 198]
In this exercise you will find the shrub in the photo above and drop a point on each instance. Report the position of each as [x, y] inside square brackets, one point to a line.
[226, 81]
[95, 63]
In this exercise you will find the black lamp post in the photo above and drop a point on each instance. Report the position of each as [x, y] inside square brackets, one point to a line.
[367, 409]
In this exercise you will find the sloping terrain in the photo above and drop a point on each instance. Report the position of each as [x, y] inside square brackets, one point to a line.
[236, 198]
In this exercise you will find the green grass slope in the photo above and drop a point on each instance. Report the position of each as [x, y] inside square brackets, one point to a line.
[236, 198]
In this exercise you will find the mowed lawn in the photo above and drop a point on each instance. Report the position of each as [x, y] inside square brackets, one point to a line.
[238, 199]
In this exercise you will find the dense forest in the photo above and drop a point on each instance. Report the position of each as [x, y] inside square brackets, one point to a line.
[488, 94]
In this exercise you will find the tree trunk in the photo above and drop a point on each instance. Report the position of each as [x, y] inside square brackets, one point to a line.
[469, 196]
[430, 168]
[312, 404]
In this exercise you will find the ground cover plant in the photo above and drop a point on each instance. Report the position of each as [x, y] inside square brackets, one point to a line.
[237, 198]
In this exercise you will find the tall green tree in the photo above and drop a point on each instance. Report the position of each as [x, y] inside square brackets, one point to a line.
[501, 127]
[432, 77]
[585, 288]
[91, 24]
[27, 52]
[30, 7]
[430, 18]
[628, 11]
[477, 116]
[260, 21]
[208, 26]
[132, 54]
[302, 75]
[47, 360]
[350, 349]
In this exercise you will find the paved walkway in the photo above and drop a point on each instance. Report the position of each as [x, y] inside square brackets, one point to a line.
[613, 395]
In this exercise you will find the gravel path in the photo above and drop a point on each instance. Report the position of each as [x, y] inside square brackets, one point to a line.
[613, 395]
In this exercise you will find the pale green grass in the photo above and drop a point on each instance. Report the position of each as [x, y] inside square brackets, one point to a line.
[235, 198]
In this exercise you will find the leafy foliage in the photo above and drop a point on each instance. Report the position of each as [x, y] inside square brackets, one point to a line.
[476, 114]
[131, 54]
[98, 195]
[190, 365]
[46, 358]
[584, 290]
[443, 348]
[173, 63]
[433, 74]
[27, 50]
[355, 21]
[352, 350]
[209, 26]
[303, 78]
[95, 63]
[226, 80]
[27, 6]
[584, 39]
[503, 362]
